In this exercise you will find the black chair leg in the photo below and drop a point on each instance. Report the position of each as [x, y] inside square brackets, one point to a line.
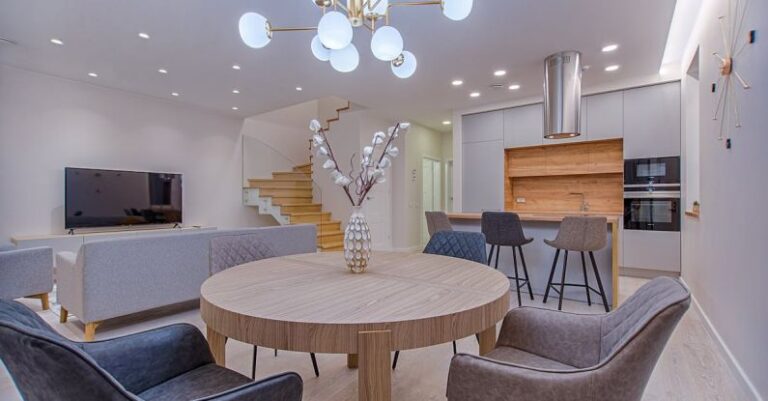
[394, 362]
[314, 364]
[275, 351]
[498, 251]
[490, 255]
[525, 270]
[517, 278]
[454, 348]
[586, 279]
[562, 282]
[599, 282]
[551, 275]
[253, 363]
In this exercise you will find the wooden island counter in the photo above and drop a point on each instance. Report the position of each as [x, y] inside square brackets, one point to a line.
[539, 256]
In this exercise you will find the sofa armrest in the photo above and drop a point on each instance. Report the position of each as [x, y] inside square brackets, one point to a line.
[25, 272]
[144, 360]
[569, 338]
[474, 378]
[283, 387]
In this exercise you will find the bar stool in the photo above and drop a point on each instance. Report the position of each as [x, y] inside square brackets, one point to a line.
[578, 234]
[505, 229]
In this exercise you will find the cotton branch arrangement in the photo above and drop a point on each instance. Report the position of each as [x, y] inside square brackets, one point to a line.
[375, 159]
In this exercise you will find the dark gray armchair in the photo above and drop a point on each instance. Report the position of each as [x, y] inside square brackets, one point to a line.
[172, 363]
[550, 355]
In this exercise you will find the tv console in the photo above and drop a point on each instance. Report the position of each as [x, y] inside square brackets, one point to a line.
[72, 242]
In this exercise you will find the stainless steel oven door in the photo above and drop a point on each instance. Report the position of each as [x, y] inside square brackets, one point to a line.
[652, 211]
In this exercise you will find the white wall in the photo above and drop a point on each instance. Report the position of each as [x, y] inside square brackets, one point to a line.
[725, 257]
[48, 123]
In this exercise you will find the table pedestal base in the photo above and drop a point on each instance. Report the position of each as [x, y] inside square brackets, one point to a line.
[375, 373]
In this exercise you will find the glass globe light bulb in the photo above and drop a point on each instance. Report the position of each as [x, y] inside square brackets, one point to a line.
[335, 30]
[321, 52]
[254, 30]
[457, 10]
[346, 59]
[387, 43]
[405, 67]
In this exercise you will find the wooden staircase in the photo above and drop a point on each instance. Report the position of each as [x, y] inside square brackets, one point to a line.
[289, 194]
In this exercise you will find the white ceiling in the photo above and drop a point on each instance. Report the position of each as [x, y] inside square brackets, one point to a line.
[197, 42]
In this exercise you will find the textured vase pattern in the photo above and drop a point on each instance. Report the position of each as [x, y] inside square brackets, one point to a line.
[357, 242]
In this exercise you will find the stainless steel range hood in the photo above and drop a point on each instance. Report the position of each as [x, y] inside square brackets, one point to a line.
[562, 95]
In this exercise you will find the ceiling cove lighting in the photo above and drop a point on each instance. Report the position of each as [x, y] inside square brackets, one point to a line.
[610, 48]
[336, 28]
[143, 35]
[457, 82]
[612, 68]
[57, 41]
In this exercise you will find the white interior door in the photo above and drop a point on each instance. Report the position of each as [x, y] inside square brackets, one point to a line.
[431, 192]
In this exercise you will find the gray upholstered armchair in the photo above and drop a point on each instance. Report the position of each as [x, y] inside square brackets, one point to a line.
[26, 273]
[550, 355]
[172, 363]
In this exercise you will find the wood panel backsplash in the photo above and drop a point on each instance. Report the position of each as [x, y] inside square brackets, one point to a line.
[547, 178]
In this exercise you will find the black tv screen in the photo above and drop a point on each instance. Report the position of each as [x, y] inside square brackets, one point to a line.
[108, 198]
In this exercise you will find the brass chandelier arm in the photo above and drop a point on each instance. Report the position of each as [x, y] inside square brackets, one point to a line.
[417, 3]
[290, 29]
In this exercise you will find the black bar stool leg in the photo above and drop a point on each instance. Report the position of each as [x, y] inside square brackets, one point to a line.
[599, 282]
[394, 362]
[454, 348]
[551, 275]
[525, 270]
[498, 251]
[490, 255]
[253, 363]
[562, 282]
[586, 279]
[275, 351]
[517, 277]
[314, 364]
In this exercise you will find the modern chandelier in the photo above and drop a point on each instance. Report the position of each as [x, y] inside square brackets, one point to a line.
[333, 41]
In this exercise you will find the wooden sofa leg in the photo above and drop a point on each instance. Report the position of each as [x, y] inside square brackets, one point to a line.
[90, 331]
[44, 300]
[63, 316]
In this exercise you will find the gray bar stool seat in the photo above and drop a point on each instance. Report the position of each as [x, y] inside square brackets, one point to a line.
[578, 234]
[505, 229]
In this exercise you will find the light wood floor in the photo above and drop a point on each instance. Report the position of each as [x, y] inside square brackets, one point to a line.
[691, 368]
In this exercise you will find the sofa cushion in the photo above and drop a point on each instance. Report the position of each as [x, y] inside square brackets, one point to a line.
[204, 381]
[520, 357]
[6, 246]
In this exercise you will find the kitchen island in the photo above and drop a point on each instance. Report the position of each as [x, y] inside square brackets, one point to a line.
[539, 256]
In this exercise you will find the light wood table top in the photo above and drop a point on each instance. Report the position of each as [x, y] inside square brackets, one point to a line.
[312, 303]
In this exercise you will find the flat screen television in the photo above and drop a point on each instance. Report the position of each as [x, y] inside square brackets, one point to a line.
[111, 198]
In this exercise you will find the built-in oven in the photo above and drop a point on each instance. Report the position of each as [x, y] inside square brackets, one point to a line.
[652, 210]
[656, 171]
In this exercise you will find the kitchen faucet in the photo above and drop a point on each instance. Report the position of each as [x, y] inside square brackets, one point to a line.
[584, 203]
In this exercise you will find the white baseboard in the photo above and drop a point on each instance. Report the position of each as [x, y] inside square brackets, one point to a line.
[732, 361]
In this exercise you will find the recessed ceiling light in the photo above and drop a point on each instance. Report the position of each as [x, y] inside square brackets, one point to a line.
[457, 82]
[586, 67]
[299, 89]
[56, 41]
[499, 73]
[175, 94]
[514, 87]
[93, 74]
[612, 68]
[235, 67]
[446, 122]
[474, 94]
[236, 91]
[162, 71]
[143, 35]
[235, 108]
[610, 48]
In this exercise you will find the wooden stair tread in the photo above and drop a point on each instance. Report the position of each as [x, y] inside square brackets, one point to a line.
[300, 179]
[328, 233]
[332, 245]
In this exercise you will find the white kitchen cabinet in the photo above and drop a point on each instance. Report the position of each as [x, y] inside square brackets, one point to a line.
[654, 250]
[582, 127]
[488, 126]
[482, 176]
[606, 116]
[524, 126]
[652, 121]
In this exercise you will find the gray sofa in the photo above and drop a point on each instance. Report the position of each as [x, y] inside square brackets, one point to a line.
[26, 273]
[118, 277]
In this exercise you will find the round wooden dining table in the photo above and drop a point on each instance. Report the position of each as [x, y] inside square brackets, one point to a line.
[312, 303]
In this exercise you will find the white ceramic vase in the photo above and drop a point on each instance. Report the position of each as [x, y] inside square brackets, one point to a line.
[357, 241]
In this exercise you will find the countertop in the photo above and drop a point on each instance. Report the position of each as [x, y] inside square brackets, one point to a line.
[613, 218]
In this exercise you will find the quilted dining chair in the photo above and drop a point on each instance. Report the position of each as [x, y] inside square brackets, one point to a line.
[231, 250]
[171, 363]
[544, 354]
[457, 244]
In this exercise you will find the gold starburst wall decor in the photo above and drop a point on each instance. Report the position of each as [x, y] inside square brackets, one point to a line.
[735, 40]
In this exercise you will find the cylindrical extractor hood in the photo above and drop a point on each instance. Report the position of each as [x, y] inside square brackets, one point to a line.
[562, 95]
